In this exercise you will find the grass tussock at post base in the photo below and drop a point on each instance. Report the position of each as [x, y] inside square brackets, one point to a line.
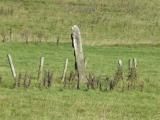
[26, 81]
[47, 80]
[94, 82]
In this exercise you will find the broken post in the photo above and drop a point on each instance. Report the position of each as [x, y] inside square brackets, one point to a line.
[78, 53]
[64, 71]
[11, 65]
[40, 67]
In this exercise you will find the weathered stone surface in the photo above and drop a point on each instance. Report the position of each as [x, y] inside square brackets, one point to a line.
[78, 52]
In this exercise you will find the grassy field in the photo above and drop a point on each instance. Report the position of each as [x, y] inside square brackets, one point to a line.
[58, 102]
[111, 31]
[102, 21]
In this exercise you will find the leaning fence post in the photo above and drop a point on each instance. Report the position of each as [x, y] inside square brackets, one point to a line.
[11, 65]
[40, 67]
[78, 52]
[65, 69]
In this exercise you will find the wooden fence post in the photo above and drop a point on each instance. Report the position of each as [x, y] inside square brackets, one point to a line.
[65, 69]
[11, 65]
[79, 57]
[119, 63]
[40, 67]
[11, 35]
[134, 62]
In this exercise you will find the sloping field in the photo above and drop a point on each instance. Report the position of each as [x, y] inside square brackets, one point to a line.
[102, 21]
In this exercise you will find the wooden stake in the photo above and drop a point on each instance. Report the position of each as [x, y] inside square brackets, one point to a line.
[11, 35]
[64, 71]
[40, 67]
[11, 65]
[19, 80]
[134, 62]
[120, 63]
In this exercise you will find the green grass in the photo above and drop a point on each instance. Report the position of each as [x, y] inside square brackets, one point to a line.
[61, 103]
[70, 105]
[110, 29]
[102, 22]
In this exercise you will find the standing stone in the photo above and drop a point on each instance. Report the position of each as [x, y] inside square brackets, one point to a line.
[78, 53]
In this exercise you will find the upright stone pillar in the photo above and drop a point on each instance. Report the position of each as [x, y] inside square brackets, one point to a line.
[78, 53]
